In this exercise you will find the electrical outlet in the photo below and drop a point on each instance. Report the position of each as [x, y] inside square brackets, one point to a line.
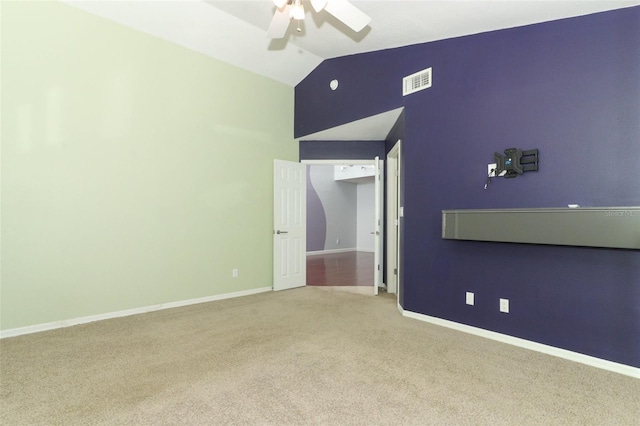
[491, 169]
[470, 298]
[234, 273]
[504, 305]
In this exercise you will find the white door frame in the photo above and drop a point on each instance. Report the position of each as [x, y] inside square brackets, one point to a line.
[339, 162]
[378, 225]
[393, 209]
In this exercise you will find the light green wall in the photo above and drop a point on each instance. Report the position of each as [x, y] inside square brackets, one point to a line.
[134, 171]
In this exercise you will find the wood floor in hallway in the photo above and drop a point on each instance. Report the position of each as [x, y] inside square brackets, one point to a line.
[354, 268]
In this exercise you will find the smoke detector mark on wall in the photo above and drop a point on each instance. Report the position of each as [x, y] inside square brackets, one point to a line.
[415, 82]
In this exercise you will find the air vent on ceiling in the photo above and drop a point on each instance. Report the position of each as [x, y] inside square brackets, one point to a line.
[417, 81]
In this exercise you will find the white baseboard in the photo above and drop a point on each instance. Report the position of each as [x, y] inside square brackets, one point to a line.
[330, 251]
[83, 320]
[627, 370]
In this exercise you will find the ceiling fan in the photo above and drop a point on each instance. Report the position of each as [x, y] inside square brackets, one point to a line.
[288, 10]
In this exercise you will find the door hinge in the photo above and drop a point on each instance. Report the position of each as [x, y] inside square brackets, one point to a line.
[378, 267]
[395, 271]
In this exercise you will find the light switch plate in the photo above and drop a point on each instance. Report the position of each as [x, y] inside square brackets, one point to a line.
[490, 167]
[470, 298]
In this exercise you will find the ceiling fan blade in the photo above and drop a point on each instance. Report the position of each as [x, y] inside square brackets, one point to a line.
[279, 23]
[350, 15]
[318, 5]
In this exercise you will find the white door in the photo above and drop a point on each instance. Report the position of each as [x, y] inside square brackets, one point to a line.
[289, 225]
[377, 264]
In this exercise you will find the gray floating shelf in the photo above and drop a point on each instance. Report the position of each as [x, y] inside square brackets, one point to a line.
[611, 227]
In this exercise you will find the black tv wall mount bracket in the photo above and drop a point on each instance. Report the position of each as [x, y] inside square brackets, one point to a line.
[515, 161]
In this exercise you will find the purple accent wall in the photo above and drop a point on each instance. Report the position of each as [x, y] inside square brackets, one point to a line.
[316, 218]
[570, 88]
[341, 150]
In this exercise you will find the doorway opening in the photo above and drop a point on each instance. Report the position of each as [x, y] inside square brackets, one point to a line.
[344, 225]
[319, 148]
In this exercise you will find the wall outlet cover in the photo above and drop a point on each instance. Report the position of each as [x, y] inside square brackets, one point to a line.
[491, 169]
[504, 305]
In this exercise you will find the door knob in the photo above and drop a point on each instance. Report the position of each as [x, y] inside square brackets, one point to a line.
[281, 232]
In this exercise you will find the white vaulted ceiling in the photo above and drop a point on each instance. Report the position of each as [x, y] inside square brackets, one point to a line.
[234, 31]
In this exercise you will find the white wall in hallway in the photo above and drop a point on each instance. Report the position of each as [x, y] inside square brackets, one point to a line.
[339, 200]
[365, 216]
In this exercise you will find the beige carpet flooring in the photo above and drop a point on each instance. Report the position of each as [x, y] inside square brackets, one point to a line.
[303, 356]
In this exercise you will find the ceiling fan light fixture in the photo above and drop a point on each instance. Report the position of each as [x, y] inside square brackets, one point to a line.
[297, 11]
[288, 10]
